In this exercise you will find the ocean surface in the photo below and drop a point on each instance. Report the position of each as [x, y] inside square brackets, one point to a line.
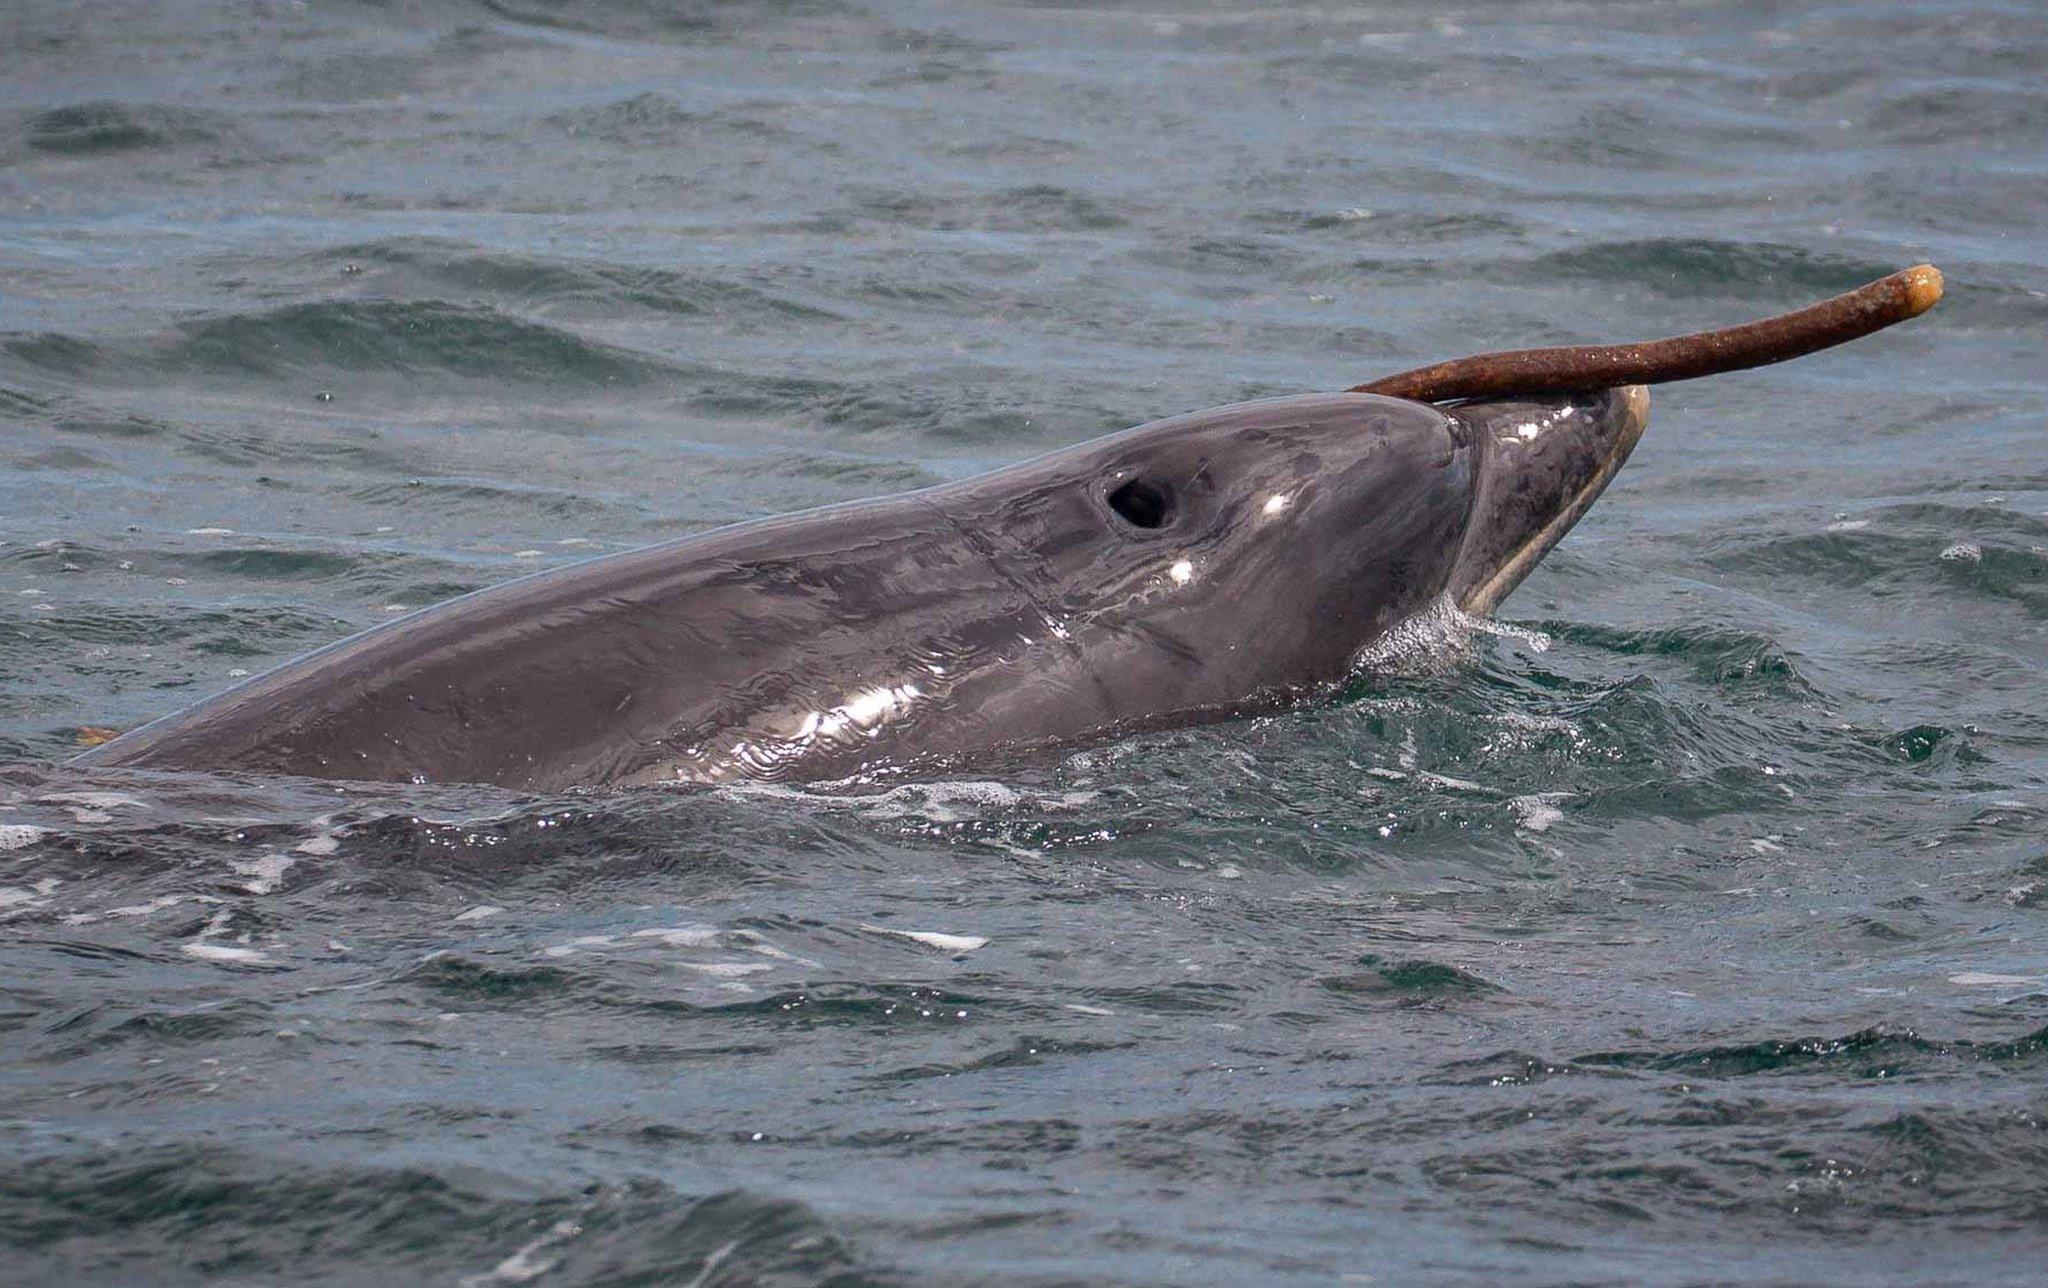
[1690, 928]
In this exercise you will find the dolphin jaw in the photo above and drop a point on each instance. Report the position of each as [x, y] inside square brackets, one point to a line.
[1486, 594]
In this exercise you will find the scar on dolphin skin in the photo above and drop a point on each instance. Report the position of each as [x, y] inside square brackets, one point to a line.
[1583, 368]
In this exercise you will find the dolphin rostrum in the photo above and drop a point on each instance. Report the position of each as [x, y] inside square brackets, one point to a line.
[1213, 564]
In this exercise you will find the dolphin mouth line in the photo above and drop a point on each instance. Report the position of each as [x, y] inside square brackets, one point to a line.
[1486, 596]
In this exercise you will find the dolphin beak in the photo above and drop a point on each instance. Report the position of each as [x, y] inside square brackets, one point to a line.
[1635, 401]
[1531, 494]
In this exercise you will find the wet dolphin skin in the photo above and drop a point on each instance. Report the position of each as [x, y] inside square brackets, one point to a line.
[1209, 565]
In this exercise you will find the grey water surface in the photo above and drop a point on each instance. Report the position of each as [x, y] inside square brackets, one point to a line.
[1693, 928]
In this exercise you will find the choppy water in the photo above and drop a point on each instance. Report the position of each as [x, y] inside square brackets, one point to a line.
[1707, 944]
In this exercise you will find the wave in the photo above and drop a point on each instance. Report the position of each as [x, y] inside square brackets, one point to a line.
[1866, 1053]
[350, 339]
[1726, 657]
[655, 22]
[407, 338]
[1931, 567]
[1690, 266]
[104, 128]
[204, 1212]
[428, 267]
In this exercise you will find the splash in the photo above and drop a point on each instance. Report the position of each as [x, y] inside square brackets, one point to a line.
[1436, 639]
[1424, 643]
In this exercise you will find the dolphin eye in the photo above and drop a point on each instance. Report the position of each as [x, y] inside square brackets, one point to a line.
[1142, 504]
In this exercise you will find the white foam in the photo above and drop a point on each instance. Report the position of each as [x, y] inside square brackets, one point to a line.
[1978, 978]
[727, 970]
[157, 904]
[1963, 552]
[942, 802]
[95, 800]
[754, 943]
[478, 913]
[19, 836]
[318, 845]
[527, 1263]
[577, 945]
[1537, 724]
[1427, 779]
[222, 953]
[1424, 640]
[27, 896]
[939, 802]
[1535, 641]
[681, 936]
[92, 807]
[933, 938]
[1536, 813]
[266, 873]
[689, 937]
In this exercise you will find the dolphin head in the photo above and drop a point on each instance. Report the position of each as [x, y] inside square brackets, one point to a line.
[1257, 548]
[1196, 561]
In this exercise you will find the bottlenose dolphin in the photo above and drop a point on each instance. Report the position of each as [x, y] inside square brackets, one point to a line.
[1211, 565]
[1191, 569]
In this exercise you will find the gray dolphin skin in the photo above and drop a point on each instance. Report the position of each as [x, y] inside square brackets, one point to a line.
[1211, 565]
